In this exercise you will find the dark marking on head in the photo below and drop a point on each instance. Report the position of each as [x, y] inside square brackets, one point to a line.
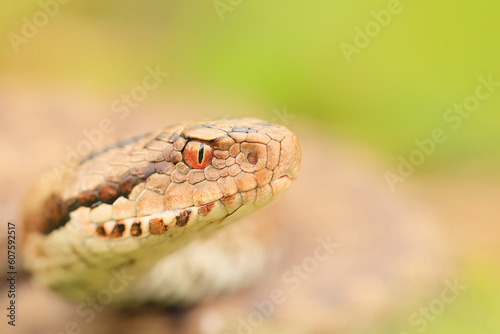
[205, 209]
[128, 184]
[183, 218]
[156, 226]
[72, 204]
[87, 198]
[108, 192]
[117, 231]
[57, 210]
[100, 231]
[55, 213]
[136, 229]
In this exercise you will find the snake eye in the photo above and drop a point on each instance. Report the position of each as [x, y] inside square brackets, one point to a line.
[197, 155]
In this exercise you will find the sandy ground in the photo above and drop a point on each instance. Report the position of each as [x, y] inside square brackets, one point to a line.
[392, 252]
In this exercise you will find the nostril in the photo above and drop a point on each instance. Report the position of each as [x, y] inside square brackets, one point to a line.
[252, 158]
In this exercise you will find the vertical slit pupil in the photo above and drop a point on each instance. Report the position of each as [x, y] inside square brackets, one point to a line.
[201, 153]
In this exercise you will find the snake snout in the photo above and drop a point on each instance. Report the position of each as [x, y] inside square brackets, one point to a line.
[290, 156]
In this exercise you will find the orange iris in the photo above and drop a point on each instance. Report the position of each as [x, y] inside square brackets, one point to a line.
[197, 155]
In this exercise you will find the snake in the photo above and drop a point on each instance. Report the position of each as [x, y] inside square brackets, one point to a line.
[155, 217]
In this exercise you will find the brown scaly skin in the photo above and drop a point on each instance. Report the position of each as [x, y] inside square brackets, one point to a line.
[129, 206]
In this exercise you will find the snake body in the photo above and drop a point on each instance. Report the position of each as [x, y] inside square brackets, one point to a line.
[154, 208]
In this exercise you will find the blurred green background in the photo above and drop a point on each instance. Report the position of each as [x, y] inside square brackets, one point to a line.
[287, 54]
